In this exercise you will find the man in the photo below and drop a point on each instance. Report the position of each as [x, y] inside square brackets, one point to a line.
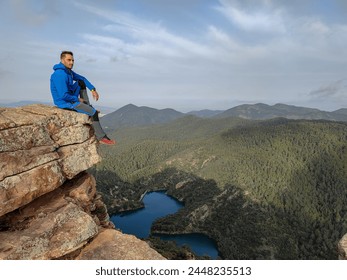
[71, 95]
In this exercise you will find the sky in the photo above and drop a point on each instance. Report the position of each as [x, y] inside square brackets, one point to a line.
[180, 54]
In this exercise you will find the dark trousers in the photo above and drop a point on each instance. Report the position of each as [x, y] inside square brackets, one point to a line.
[87, 108]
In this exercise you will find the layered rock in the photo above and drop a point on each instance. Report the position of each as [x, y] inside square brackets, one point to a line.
[37, 152]
[49, 206]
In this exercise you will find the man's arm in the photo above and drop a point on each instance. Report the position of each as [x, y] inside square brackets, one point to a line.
[88, 84]
[95, 94]
[77, 77]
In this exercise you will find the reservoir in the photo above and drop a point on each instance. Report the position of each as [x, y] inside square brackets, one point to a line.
[157, 205]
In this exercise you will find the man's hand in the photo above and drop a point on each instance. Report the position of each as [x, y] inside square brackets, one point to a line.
[81, 100]
[95, 95]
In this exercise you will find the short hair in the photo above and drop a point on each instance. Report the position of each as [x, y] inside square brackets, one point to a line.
[64, 53]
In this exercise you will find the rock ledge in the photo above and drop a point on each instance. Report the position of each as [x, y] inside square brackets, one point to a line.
[49, 206]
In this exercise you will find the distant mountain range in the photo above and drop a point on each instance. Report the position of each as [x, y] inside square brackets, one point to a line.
[23, 103]
[341, 111]
[132, 116]
[262, 111]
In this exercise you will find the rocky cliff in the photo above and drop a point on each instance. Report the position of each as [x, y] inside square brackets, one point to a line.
[50, 208]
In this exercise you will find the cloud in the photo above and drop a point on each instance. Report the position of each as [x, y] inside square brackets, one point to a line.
[265, 58]
[264, 20]
[33, 12]
[329, 96]
[137, 37]
[335, 89]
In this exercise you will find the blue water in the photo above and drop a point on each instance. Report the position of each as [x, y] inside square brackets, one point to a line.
[139, 222]
[157, 205]
[200, 244]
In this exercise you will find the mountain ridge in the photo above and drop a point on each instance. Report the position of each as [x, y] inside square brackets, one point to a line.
[134, 116]
[131, 115]
[261, 111]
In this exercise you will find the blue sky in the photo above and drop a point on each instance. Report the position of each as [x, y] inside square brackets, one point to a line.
[186, 55]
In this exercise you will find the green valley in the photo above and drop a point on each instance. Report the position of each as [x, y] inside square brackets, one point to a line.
[263, 189]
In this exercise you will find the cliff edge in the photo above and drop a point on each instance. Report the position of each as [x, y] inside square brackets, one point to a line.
[49, 206]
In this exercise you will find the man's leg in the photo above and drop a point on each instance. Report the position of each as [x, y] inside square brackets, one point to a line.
[89, 110]
[83, 92]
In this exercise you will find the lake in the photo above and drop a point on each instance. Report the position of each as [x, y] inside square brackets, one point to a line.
[157, 205]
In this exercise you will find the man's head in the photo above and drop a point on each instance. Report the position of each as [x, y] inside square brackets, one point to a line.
[66, 57]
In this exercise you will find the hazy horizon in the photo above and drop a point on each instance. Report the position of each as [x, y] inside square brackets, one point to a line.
[109, 106]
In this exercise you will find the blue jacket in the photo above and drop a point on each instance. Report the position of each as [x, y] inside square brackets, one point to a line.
[64, 90]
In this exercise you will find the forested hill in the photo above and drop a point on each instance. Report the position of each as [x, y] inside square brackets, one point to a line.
[132, 115]
[262, 189]
[341, 111]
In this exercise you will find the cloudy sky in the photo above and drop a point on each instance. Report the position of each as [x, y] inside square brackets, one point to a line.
[186, 55]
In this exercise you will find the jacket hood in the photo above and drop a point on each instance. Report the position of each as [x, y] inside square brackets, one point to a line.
[59, 66]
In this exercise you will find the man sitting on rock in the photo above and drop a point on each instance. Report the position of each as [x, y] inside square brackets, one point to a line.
[71, 95]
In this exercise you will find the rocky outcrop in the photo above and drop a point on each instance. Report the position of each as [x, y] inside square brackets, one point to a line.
[49, 206]
[112, 244]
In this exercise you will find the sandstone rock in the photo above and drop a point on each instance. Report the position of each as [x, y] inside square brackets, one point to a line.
[83, 190]
[49, 206]
[53, 225]
[19, 117]
[40, 147]
[19, 161]
[20, 189]
[114, 245]
[78, 157]
[41, 125]
[80, 133]
[5, 122]
[62, 222]
[24, 138]
[58, 116]
[49, 237]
